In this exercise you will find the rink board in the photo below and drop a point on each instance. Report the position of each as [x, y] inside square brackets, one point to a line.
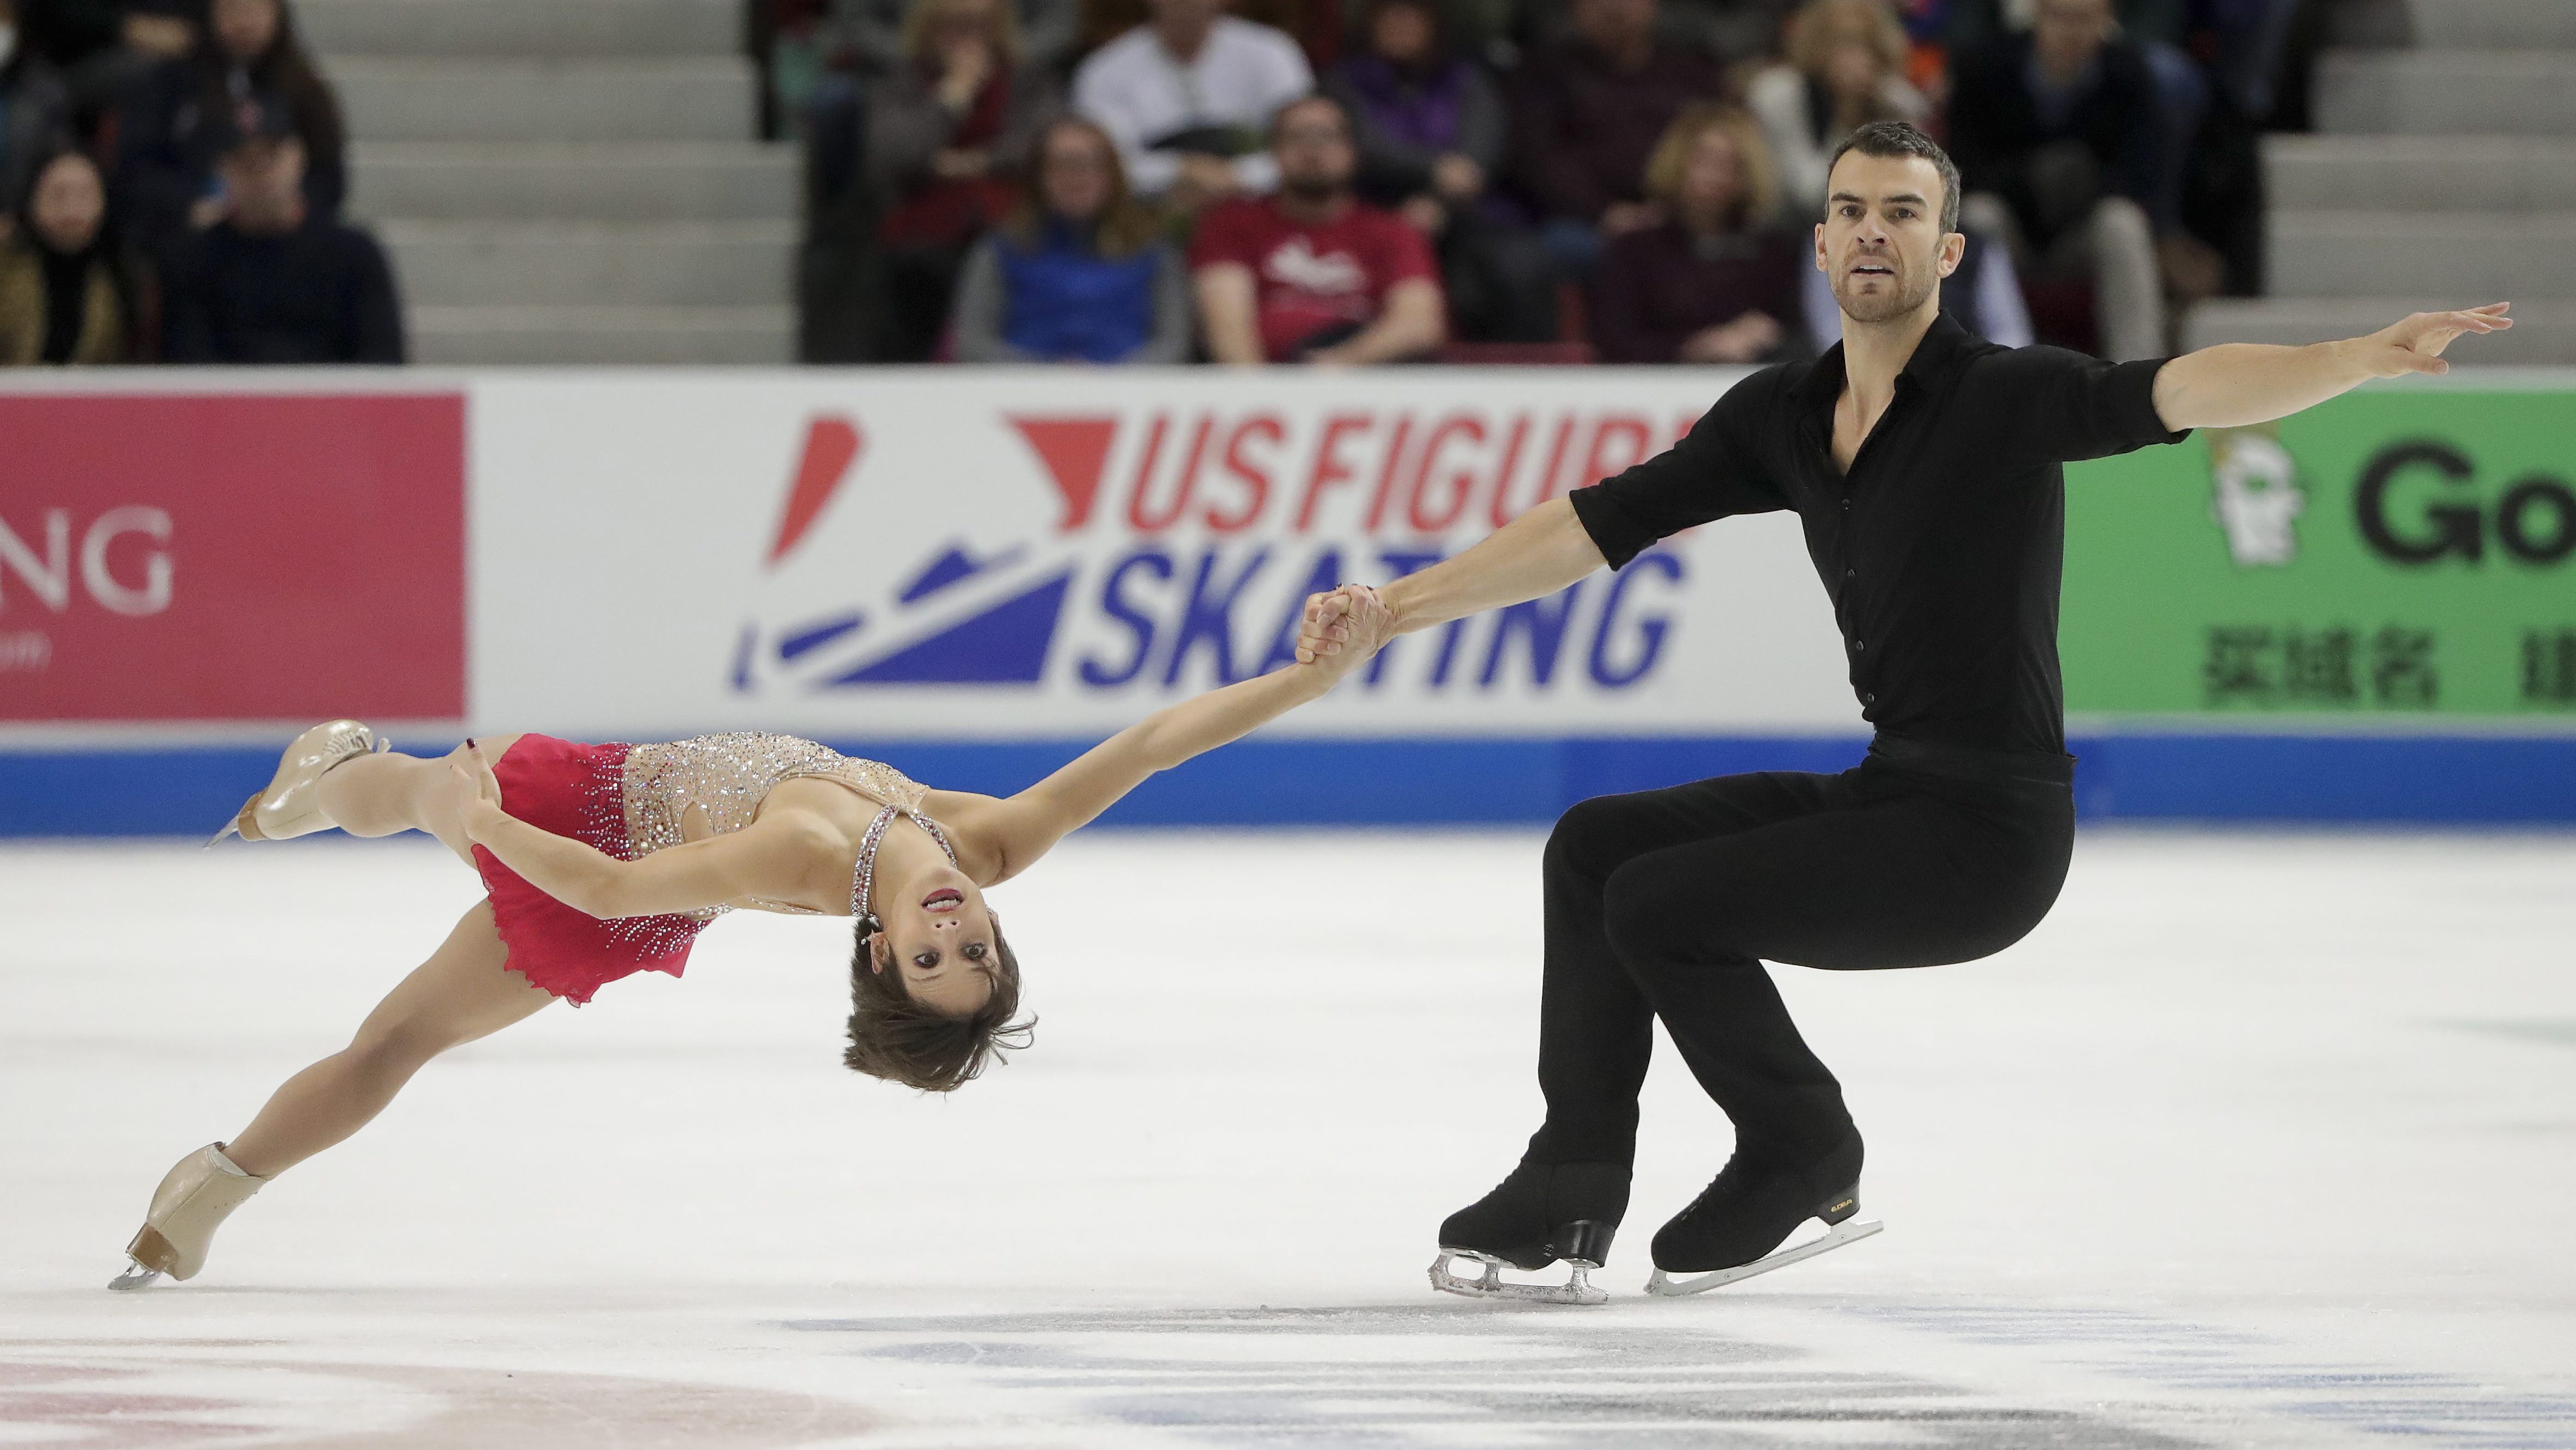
[2367, 613]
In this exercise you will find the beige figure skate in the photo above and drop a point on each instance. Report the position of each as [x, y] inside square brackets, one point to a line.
[191, 1203]
[292, 806]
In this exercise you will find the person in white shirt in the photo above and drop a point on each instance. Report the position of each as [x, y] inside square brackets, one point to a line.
[1188, 96]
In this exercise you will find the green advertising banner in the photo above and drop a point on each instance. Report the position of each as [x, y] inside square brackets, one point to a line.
[2404, 553]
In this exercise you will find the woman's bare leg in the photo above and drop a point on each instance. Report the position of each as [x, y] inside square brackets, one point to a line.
[379, 795]
[461, 993]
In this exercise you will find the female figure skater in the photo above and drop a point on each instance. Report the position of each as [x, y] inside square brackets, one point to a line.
[599, 861]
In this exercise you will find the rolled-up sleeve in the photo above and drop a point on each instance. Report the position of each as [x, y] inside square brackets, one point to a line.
[1716, 471]
[2065, 407]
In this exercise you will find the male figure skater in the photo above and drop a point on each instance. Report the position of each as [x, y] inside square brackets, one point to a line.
[1925, 467]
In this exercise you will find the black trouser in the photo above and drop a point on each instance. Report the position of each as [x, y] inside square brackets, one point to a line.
[1666, 903]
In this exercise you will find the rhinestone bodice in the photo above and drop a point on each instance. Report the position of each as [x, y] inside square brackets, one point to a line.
[729, 775]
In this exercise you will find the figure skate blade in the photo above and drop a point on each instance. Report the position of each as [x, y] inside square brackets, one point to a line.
[1491, 1286]
[1833, 1238]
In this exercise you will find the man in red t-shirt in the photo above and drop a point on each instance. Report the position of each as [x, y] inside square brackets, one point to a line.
[1310, 274]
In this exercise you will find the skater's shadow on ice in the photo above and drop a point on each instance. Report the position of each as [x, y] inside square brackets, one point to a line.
[1378, 1375]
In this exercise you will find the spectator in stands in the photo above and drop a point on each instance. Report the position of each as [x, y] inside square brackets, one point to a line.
[186, 113]
[1430, 128]
[1735, 31]
[874, 34]
[861, 41]
[947, 135]
[67, 295]
[1846, 68]
[104, 47]
[35, 109]
[1187, 96]
[2055, 133]
[1313, 274]
[1586, 112]
[278, 280]
[1079, 273]
[1716, 281]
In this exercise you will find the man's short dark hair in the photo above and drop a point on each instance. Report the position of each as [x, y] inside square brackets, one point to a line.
[1889, 140]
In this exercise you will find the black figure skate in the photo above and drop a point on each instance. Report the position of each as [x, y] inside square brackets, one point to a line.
[1542, 1213]
[1728, 1233]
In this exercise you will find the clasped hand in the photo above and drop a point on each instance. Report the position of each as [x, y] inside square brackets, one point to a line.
[1344, 627]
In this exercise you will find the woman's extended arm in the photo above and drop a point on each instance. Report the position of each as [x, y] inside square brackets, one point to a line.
[1027, 824]
[772, 858]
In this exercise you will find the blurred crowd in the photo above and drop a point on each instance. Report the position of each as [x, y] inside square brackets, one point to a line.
[1283, 181]
[1348, 181]
[172, 172]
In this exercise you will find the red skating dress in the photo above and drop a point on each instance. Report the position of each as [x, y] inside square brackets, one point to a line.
[629, 801]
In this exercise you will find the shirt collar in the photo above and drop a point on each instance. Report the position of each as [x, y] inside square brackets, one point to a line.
[1941, 342]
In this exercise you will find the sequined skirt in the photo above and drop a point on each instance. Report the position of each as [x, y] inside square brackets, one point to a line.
[574, 790]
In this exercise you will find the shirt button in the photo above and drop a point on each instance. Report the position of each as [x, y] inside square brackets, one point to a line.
[1851, 573]
[1846, 504]
[1869, 699]
[1858, 646]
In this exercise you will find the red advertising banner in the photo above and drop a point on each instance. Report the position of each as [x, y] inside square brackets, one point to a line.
[232, 557]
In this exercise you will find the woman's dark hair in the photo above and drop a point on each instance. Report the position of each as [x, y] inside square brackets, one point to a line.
[1124, 227]
[138, 300]
[900, 1040]
[285, 70]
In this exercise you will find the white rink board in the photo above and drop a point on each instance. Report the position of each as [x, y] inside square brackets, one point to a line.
[640, 568]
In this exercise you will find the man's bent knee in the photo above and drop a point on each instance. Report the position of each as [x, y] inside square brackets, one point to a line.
[1593, 838]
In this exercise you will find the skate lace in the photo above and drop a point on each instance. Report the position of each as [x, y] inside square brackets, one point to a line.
[1710, 1191]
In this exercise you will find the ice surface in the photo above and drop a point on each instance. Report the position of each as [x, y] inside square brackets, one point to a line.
[2259, 1140]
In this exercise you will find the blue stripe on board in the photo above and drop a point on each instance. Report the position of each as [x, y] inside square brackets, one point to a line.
[2242, 778]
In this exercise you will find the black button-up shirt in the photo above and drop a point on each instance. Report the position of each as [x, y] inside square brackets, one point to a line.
[1943, 546]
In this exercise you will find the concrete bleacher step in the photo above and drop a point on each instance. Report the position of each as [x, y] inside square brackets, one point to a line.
[456, 263]
[2544, 330]
[2419, 173]
[596, 181]
[2471, 256]
[2500, 23]
[708, 98]
[578, 336]
[2447, 92]
[559, 28]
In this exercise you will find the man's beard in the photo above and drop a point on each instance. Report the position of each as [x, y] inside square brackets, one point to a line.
[1876, 307]
[1313, 190]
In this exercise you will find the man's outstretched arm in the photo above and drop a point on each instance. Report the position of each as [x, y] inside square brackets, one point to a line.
[1536, 554]
[2236, 384]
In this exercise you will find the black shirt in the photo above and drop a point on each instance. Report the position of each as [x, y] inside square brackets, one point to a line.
[320, 294]
[1942, 549]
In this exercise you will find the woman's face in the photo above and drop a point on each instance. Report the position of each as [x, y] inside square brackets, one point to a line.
[245, 28]
[69, 203]
[1401, 33]
[963, 22]
[1073, 175]
[1712, 179]
[940, 942]
[1851, 62]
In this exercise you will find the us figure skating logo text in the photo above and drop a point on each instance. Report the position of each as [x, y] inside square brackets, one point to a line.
[1165, 549]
